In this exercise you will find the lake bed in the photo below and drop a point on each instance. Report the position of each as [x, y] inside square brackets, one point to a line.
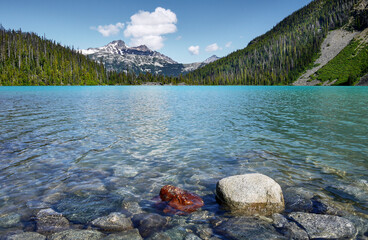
[88, 151]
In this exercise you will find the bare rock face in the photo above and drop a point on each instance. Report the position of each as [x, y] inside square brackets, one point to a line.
[251, 194]
[113, 222]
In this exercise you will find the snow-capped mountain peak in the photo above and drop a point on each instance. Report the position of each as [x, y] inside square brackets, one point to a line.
[119, 57]
[211, 59]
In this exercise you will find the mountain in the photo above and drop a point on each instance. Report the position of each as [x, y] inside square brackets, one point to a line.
[117, 56]
[283, 54]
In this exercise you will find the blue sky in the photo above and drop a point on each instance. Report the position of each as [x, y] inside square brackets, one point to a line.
[172, 27]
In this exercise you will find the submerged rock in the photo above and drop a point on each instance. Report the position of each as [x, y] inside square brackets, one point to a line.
[9, 220]
[26, 236]
[132, 207]
[250, 194]
[247, 228]
[83, 209]
[324, 226]
[49, 221]
[126, 235]
[113, 222]
[149, 223]
[179, 200]
[77, 235]
[289, 229]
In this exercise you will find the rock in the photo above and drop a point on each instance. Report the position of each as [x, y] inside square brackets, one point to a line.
[9, 220]
[27, 236]
[324, 226]
[149, 223]
[203, 231]
[159, 236]
[179, 200]
[126, 235]
[176, 233]
[192, 236]
[298, 200]
[83, 209]
[247, 228]
[113, 222]
[287, 228]
[250, 194]
[49, 221]
[77, 235]
[132, 207]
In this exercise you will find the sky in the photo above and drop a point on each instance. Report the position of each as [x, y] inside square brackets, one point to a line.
[185, 30]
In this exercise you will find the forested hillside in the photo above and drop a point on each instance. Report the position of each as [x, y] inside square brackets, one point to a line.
[279, 56]
[27, 59]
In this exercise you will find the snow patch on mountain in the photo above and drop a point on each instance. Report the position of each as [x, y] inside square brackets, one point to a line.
[119, 57]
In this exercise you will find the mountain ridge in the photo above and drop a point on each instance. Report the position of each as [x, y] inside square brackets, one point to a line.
[117, 56]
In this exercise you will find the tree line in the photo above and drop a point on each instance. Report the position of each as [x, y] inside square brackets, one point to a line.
[278, 57]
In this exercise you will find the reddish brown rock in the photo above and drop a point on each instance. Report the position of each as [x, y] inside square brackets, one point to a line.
[179, 201]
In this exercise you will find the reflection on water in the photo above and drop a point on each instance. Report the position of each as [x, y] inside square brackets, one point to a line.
[63, 146]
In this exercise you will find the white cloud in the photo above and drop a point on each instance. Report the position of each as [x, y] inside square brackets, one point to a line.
[109, 30]
[212, 48]
[147, 28]
[228, 44]
[179, 37]
[194, 50]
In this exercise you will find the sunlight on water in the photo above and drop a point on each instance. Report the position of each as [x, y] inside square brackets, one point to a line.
[67, 146]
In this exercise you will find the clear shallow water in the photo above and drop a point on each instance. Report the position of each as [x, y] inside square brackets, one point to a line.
[78, 148]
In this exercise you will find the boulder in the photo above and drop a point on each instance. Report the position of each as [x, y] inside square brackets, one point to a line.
[113, 222]
[77, 235]
[179, 201]
[26, 236]
[49, 221]
[324, 226]
[250, 194]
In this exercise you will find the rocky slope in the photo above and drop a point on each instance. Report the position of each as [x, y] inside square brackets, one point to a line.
[119, 57]
[336, 42]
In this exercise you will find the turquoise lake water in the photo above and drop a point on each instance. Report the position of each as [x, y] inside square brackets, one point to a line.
[78, 148]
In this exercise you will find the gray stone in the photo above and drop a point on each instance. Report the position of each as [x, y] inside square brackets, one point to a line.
[324, 226]
[113, 222]
[49, 221]
[27, 236]
[159, 236]
[132, 207]
[126, 235]
[77, 235]
[203, 231]
[247, 228]
[84, 209]
[149, 223]
[287, 228]
[250, 194]
[298, 200]
[9, 220]
[176, 233]
[192, 236]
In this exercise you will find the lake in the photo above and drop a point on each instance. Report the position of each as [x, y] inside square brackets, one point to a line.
[89, 151]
